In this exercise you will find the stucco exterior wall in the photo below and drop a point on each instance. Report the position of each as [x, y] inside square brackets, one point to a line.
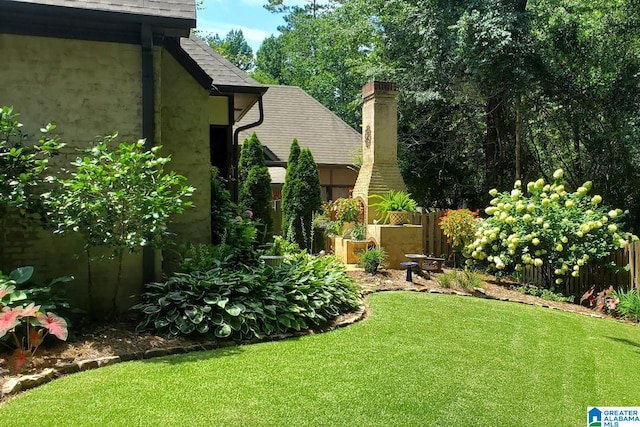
[185, 137]
[339, 176]
[86, 89]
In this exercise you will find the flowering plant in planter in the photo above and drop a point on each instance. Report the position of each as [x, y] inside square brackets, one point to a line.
[546, 227]
[25, 323]
[335, 214]
[348, 210]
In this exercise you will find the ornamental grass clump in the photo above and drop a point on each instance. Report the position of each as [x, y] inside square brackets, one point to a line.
[547, 227]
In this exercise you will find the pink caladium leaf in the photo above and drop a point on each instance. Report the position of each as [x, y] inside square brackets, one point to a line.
[56, 325]
[9, 319]
[30, 311]
[19, 359]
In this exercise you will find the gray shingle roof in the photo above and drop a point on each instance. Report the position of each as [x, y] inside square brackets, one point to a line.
[289, 112]
[223, 72]
[182, 9]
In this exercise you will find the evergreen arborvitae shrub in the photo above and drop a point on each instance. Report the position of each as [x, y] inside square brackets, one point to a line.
[251, 155]
[255, 185]
[305, 199]
[222, 208]
[289, 208]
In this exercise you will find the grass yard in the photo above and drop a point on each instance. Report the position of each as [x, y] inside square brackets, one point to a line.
[419, 360]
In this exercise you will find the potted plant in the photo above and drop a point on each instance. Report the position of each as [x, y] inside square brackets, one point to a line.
[276, 253]
[371, 259]
[393, 206]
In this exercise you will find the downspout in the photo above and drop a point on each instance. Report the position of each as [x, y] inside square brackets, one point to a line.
[235, 146]
[148, 129]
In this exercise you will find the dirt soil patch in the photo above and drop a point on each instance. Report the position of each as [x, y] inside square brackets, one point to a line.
[95, 340]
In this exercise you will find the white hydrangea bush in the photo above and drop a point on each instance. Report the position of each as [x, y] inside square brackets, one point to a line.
[546, 226]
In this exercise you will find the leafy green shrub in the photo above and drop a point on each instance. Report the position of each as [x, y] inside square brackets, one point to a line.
[628, 303]
[358, 232]
[459, 226]
[347, 209]
[281, 246]
[223, 210]
[250, 301]
[371, 259]
[549, 228]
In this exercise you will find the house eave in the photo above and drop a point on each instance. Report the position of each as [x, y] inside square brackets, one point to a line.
[217, 89]
[88, 24]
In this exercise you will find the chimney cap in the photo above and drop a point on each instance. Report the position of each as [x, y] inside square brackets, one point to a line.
[378, 86]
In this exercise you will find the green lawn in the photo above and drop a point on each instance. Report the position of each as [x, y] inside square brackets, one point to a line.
[419, 360]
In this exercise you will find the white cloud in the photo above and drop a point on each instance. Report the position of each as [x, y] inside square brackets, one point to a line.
[253, 36]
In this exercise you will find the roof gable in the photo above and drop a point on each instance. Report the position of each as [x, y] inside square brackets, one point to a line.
[181, 9]
[226, 77]
[290, 112]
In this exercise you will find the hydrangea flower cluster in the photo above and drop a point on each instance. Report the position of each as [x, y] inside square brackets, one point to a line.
[546, 226]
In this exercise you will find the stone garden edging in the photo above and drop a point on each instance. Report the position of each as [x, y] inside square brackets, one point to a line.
[17, 384]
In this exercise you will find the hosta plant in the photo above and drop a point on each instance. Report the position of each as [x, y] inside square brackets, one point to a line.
[546, 226]
[25, 326]
[244, 301]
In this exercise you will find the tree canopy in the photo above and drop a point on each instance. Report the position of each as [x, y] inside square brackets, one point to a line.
[234, 47]
[490, 90]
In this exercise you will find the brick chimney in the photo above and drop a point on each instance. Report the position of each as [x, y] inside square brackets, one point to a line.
[379, 172]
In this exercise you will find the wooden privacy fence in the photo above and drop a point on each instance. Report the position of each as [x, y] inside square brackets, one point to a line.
[599, 275]
[434, 242]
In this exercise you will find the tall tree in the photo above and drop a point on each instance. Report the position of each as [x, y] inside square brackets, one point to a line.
[234, 47]
[322, 54]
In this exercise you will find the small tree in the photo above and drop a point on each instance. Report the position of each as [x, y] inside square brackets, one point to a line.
[289, 209]
[255, 183]
[118, 199]
[305, 199]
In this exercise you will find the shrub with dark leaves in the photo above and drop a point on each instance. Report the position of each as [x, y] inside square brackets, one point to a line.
[250, 301]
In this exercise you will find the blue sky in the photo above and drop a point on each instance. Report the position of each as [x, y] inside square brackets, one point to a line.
[256, 23]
